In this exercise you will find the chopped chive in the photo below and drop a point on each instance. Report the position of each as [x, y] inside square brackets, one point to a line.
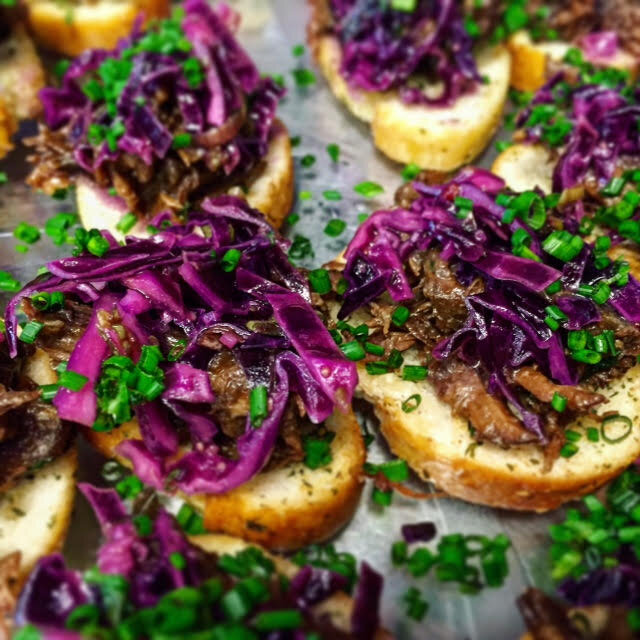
[331, 195]
[410, 172]
[334, 151]
[335, 227]
[30, 331]
[303, 77]
[27, 233]
[369, 189]
[72, 380]
[411, 403]
[298, 50]
[181, 141]
[230, 260]
[308, 161]
[353, 350]
[8, 282]
[414, 373]
[320, 281]
[400, 315]
[258, 405]
[127, 222]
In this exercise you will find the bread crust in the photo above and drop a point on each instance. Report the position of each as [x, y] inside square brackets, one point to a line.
[282, 509]
[437, 138]
[440, 448]
[8, 127]
[530, 60]
[525, 166]
[339, 607]
[271, 191]
[99, 25]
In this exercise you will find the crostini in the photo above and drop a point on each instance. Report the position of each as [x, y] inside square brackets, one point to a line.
[70, 28]
[169, 117]
[414, 75]
[151, 579]
[578, 132]
[497, 348]
[197, 358]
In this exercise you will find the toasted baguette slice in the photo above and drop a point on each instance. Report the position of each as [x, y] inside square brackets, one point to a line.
[72, 27]
[437, 138]
[440, 448]
[530, 60]
[285, 508]
[338, 608]
[525, 166]
[271, 192]
[21, 75]
[35, 513]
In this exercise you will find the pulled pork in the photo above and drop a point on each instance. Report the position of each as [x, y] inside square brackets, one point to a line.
[30, 431]
[9, 570]
[548, 619]
[184, 176]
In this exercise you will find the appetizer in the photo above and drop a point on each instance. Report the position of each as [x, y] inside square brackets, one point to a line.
[577, 133]
[37, 470]
[72, 27]
[596, 576]
[21, 77]
[151, 581]
[170, 116]
[497, 347]
[412, 71]
[197, 357]
[540, 34]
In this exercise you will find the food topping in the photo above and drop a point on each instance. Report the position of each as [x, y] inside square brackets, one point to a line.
[205, 333]
[171, 115]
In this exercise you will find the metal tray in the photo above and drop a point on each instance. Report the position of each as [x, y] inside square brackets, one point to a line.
[270, 31]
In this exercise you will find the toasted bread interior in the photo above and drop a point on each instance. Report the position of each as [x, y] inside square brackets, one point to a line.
[439, 447]
[525, 166]
[338, 608]
[35, 513]
[271, 192]
[433, 137]
[70, 28]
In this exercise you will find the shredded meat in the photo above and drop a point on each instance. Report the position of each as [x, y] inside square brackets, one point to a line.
[545, 618]
[30, 431]
[623, 17]
[406, 194]
[536, 383]
[548, 619]
[461, 387]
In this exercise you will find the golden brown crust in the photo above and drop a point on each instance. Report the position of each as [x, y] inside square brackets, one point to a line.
[285, 508]
[7, 128]
[99, 25]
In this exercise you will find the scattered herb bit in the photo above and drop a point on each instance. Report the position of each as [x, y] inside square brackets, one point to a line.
[26, 232]
[298, 50]
[334, 151]
[332, 195]
[300, 248]
[304, 77]
[335, 227]
[318, 450]
[308, 161]
[369, 189]
[8, 282]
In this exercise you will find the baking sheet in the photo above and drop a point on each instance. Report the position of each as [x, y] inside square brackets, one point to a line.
[270, 31]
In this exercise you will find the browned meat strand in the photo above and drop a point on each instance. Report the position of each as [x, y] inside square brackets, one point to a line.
[461, 387]
[623, 17]
[30, 430]
[548, 619]
[9, 571]
[542, 388]
[545, 618]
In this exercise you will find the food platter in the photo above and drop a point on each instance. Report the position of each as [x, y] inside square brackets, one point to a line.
[271, 30]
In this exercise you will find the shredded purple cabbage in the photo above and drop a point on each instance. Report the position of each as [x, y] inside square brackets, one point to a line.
[175, 282]
[144, 565]
[418, 532]
[603, 132]
[384, 48]
[231, 86]
[506, 325]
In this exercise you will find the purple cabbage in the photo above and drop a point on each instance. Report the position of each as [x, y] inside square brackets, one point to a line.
[418, 532]
[232, 89]
[172, 282]
[506, 325]
[146, 564]
[604, 128]
[384, 48]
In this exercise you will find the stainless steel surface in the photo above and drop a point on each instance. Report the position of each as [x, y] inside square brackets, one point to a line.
[271, 30]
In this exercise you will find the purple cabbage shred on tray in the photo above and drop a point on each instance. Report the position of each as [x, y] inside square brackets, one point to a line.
[152, 581]
[161, 311]
[542, 289]
[384, 48]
